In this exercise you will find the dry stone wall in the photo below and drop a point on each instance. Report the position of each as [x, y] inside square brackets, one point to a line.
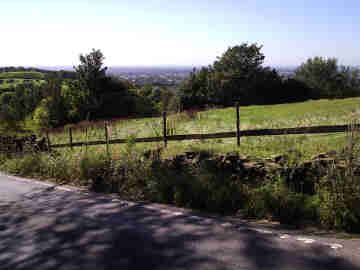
[14, 144]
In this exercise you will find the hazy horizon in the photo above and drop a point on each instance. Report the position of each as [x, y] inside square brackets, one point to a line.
[177, 33]
[69, 67]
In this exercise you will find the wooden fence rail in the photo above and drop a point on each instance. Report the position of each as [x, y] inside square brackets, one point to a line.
[221, 135]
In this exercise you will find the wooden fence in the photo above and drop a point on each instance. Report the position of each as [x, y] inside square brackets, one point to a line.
[221, 135]
[14, 144]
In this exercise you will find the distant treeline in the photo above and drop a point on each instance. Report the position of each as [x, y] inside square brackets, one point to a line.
[66, 74]
[239, 76]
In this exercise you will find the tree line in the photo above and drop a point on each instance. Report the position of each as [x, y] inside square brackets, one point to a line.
[61, 100]
[238, 75]
[66, 74]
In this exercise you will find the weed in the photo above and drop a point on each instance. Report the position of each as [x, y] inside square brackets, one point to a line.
[339, 189]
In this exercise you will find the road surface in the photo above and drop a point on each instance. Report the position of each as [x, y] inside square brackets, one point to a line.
[42, 227]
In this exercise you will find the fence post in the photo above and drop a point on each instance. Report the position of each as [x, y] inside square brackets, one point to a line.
[86, 140]
[164, 128]
[70, 138]
[107, 140]
[238, 123]
[48, 140]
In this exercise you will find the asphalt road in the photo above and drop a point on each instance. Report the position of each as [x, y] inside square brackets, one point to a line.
[48, 228]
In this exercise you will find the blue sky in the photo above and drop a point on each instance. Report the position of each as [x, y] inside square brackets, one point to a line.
[176, 32]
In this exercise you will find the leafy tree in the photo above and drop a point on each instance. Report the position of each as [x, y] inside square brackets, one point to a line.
[42, 116]
[196, 91]
[112, 84]
[79, 102]
[327, 79]
[240, 61]
[91, 73]
[8, 114]
[265, 88]
[51, 111]
[98, 95]
[293, 90]
[237, 69]
[232, 77]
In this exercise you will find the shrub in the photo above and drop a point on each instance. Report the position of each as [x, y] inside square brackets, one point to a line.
[275, 200]
[339, 189]
[94, 170]
[58, 166]
[27, 165]
[339, 200]
[41, 118]
[196, 186]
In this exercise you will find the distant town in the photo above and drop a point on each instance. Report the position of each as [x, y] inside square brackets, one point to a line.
[156, 76]
[165, 76]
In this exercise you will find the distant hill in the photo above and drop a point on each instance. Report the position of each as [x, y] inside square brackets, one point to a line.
[33, 73]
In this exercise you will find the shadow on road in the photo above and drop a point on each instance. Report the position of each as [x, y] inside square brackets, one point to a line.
[64, 230]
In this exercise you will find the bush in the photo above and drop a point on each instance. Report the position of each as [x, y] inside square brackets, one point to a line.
[327, 79]
[195, 186]
[94, 170]
[41, 117]
[123, 104]
[27, 165]
[339, 199]
[58, 166]
[276, 201]
[339, 189]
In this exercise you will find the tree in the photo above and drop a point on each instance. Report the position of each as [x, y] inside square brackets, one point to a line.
[91, 73]
[78, 101]
[240, 61]
[232, 77]
[327, 79]
[91, 79]
[51, 111]
[195, 92]
[237, 69]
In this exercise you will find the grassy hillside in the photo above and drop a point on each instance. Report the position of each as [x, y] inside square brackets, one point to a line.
[311, 113]
[22, 75]
[12, 83]
[12, 79]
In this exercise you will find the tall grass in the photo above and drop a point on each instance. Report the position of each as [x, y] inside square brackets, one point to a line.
[322, 112]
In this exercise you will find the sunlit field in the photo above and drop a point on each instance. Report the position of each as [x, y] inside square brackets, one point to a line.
[310, 113]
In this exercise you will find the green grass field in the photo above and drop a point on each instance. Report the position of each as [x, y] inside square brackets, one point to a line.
[310, 113]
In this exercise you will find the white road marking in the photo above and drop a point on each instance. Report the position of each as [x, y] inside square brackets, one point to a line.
[195, 217]
[165, 211]
[306, 240]
[335, 245]
[285, 236]
[263, 231]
